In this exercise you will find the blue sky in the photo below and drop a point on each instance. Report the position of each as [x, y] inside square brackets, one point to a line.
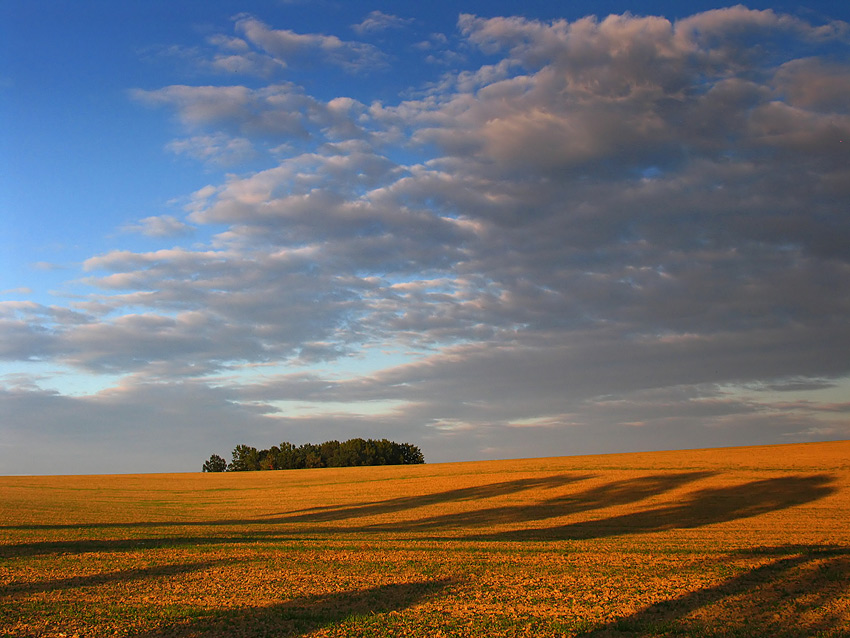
[493, 229]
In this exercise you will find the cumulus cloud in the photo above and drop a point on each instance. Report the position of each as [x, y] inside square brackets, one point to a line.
[262, 51]
[379, 21]
[605, 227]
[230, 122]
[811, 83]
[68, 429]
[222, 55]
[23, 290]
[274, 110]
[30, 331]
[287, 46]
[160, 226]
[220, 150]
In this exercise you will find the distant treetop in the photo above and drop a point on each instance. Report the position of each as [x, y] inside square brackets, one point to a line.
[287, 456]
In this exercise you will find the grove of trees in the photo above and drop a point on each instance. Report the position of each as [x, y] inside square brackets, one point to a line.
[287, 456]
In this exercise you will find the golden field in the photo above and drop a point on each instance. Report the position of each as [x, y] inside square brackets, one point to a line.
[727, 542]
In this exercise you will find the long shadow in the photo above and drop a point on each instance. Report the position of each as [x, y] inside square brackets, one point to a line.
[135, 544]
[608, 495]
[13, 589]
[704, 507]
[336, 513]
[358, 510]
[615, 493]
[262, 528]
[86, 545]
[300, 616]
[789, 597]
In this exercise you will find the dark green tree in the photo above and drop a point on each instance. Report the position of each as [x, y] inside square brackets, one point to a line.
[215, 464]
[329, 451]
[351, 452]
[245, 459]
[268, 458]
[312, 455]
[411, 454]
[287, 456]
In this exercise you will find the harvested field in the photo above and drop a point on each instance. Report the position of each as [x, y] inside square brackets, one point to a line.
[731, 542]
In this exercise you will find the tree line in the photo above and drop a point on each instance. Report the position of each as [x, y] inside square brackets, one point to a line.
[288, 456]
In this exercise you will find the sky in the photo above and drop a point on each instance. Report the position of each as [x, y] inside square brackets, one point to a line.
[491, 229]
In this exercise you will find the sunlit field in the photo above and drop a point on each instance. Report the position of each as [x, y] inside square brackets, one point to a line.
[730, 542]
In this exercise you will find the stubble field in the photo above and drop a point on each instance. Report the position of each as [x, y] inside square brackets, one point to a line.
[731, 542]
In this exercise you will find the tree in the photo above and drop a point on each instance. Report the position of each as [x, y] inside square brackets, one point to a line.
[312, 455]
[215, 464]
[268, 458]
[287, 456]
[245, 459]
[411, 454]
[350, 452]
[329, 451]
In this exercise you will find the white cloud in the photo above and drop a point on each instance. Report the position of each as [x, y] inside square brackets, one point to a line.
[379, 21]
[811, 83]
[22, 290]
[234, 121]
[71, 431]
[588, 236]
[219, 149]
[160, 226]
[274, 110]
[287, 46]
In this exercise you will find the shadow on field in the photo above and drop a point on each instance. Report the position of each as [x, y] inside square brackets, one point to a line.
[613, 494]
[703, 507]
[336, 513]
[13, 589]
[302, 615]
[799, 593]
[471, 494]
[86, 545]
[699, 508]
[265, 528]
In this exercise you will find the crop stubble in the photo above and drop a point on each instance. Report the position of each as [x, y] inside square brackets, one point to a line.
[741, 541]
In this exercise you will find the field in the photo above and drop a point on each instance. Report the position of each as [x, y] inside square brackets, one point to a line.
[729, 542]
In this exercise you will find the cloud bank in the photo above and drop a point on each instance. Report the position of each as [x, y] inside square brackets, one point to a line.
[607, 234]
